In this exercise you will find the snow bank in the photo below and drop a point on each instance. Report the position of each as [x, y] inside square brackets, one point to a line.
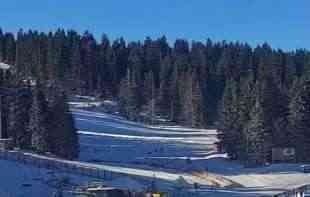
[4, 66]
[193, 140]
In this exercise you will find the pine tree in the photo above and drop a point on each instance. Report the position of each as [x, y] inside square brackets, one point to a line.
[150, 96]
[187, 100]
[20, 55]
[257, 146]
[89, 57]
[2, 44]
[104, 70]
[128, 97]
[63, 138]
[230, 132]
[199, 120]
[19, 118]
[300, 119]
[176, 98]
[75, 78]
[38, 123]
[164, 102]
[10, 48]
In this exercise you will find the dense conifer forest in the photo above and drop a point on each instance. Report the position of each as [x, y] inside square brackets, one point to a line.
[37, 118]
[258, 98]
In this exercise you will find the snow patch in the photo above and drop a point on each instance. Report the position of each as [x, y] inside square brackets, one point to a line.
[4, 66]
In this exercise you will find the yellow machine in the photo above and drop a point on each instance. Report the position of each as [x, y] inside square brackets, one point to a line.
[157, 194]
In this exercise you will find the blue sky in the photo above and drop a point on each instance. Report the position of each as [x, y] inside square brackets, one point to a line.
[283, 23]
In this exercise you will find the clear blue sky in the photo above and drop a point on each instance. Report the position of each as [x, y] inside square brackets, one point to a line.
[283, 23]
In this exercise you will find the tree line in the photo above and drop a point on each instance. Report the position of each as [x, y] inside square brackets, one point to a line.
[38, 118]
[257, 97]
[51, 124]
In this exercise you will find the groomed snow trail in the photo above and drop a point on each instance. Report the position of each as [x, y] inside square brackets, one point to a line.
[136, 145]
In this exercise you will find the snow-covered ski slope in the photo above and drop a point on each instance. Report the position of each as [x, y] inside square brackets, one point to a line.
[115, 141]
[133, 149]
[23, 180]
[110, 138]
